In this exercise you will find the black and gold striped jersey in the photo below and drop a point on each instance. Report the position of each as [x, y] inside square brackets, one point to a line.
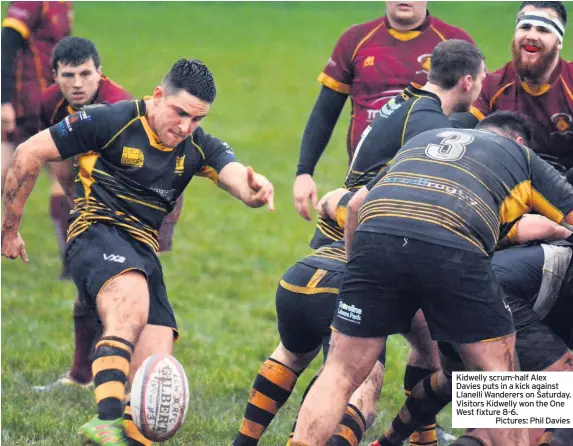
[329, 257]
[463, 189]
[125, 176]
[406, 115]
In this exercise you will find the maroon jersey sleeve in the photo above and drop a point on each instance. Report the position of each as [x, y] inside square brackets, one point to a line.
[23, 17]
[446, 31]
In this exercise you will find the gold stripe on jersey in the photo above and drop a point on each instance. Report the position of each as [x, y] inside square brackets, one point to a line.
[333, 84]
[341, 213]
[440, 35]
[498, 93]
[199, 149]
[58, 105]
[438, 215]
[316, 278]
[566, 87]
[86, 165]
[403, 36]
[120, 131]
[21, 27]
[332, 232]
[143, 203]
[535, 90]
[363, 41]
[407, 118]
[154, 140]
[540, 203]
[209, 172]
[480, 207]
[305, 290]
[327, 252]
[477, 113]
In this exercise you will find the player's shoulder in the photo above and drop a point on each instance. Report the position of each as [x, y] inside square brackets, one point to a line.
[567, 69]
[111, 92]
[51, 97]
[115, 115]
[503, 78]
[449, 31]
[360, 30]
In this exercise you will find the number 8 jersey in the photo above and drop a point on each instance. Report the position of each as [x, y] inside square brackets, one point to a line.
[463, 189]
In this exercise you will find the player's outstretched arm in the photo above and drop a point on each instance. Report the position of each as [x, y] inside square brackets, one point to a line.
[23, 172]
[533, 227]
[244, 183]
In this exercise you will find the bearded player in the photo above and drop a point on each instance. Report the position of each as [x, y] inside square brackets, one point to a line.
[537, 82]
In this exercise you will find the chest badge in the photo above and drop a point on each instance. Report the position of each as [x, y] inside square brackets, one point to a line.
[132, 157]
[563, 122]
[368, 62]
[179, 165]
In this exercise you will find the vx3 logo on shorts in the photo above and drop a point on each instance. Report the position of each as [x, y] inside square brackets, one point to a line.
[114, 258]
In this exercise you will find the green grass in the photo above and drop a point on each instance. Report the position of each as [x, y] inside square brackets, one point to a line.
[227, 259]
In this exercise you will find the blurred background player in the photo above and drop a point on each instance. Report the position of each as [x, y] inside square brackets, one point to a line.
[371, 62]
[78, 82]
[537, 82]
[30, 32]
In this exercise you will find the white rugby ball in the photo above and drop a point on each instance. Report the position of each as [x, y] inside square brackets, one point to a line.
[159, 397]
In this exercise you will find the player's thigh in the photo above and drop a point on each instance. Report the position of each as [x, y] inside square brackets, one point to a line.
[110, 274]
[463, 300]
[154, 339]
[305, 302]
[375, 299]
[538, 348]
[424, 350]
[491, 355]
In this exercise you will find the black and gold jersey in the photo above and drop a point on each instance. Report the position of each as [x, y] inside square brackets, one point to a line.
[406, 115]
[125, 176]
[463, 189]
[329, 257]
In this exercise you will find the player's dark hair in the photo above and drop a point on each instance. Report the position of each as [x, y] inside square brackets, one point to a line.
[194, 77]
[74, 51]
[452, 60]
[512, 123]
[558, 7]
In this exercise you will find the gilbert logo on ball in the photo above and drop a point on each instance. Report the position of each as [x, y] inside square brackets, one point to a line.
[159, 397]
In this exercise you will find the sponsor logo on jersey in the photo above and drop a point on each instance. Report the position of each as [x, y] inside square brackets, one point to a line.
[132, 157]
[114, 258]
[368, 62]
[179, 165]
[349, 313]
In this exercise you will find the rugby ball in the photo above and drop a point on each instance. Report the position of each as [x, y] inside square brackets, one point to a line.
[159, 397]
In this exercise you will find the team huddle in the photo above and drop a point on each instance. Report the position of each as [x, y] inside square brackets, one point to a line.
[453, 226]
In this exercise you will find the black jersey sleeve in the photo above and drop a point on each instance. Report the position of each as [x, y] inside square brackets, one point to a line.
[319, 128]
[464, 120]
[217, 154]
[551, 194]
[424, 115]
[91, 129]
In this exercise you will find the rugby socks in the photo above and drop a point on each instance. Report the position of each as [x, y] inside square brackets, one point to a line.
[467, 441]
[350, 430]
[85, 333]
[131, 431]
[272, 387]
[110, 370]
[423, 404]
[547, 436]
[425, 435]
[312, 381]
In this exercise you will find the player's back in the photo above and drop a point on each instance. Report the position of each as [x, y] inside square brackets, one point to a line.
[463, 189]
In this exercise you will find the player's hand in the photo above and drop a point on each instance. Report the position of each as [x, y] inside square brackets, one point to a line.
[533, 227]
[13, 246]
[262, 190]
[327, 205]
[8, 119]
[305, 189]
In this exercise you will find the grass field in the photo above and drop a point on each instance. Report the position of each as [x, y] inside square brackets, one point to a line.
[227, 258]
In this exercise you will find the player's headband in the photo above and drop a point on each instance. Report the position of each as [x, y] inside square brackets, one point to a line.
[540, 18]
